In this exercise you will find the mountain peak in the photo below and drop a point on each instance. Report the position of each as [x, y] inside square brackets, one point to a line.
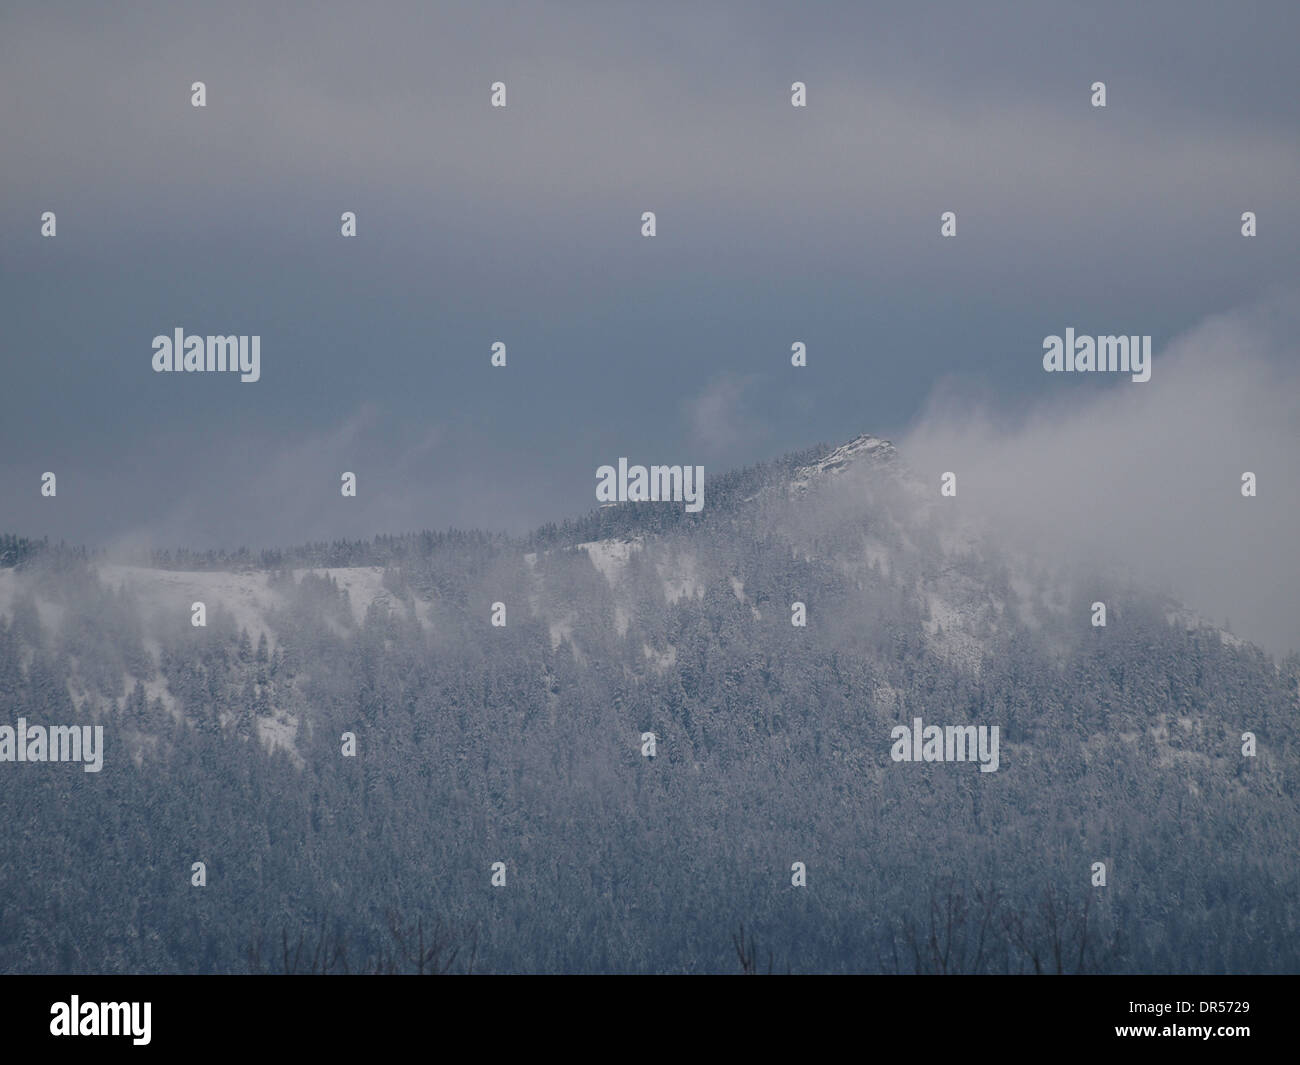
[864, 448]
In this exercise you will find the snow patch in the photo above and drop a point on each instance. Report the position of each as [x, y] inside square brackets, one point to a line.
[865, 447]
[561, 631]
[682, 581]
[949, 635]
[245, 596]
[280, 734]
[660, 661]
[610, 557]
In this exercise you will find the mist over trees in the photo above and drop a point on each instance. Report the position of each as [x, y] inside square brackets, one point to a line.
[522, 744]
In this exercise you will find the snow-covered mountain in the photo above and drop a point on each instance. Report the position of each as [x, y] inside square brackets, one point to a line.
[500, 696]
[856, 512]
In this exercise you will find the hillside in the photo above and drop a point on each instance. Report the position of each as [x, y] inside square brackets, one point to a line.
[522, 743]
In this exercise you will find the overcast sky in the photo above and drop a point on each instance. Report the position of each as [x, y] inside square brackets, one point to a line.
[475, 224]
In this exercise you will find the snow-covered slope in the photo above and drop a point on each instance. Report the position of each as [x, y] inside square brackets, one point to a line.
[857, 512]
[865, 449]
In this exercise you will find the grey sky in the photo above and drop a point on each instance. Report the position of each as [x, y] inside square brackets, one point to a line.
[522, 225]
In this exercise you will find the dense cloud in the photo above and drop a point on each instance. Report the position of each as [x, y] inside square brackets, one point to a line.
[1146, 478]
